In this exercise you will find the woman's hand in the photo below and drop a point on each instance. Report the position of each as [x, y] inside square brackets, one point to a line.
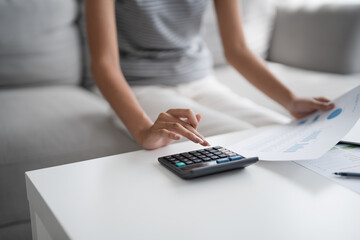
[301, 107]
[171, 126]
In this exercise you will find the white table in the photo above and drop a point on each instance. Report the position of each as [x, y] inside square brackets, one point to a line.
[131, 196]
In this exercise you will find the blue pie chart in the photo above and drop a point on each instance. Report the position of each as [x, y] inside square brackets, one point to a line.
[334, 114]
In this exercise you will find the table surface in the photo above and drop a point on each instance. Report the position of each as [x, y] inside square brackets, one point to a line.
[131, 196]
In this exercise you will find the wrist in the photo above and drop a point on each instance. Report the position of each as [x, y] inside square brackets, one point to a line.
[140, 136]
[288, 100]
[141, 130]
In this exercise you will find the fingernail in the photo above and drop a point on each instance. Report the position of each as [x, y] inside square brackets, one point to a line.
[206, 143]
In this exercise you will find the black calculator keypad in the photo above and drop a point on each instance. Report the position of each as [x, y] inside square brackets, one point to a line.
[218, 154]
[205, 161]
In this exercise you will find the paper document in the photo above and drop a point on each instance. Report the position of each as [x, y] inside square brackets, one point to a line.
[341, 158]
[308, 138]
[353, 136]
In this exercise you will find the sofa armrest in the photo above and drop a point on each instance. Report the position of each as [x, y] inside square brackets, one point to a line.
[324, 38]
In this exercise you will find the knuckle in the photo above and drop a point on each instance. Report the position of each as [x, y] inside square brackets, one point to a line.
[188, 127]
[170, 110]
[162, 115]
[163, 131]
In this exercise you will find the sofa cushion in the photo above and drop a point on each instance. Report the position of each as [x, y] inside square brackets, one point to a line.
[47, 126]
[39, 42]
[324, 38]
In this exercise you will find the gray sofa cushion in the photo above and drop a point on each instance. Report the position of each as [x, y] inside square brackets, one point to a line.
[47, 126]
[39, 42]
[326, 38]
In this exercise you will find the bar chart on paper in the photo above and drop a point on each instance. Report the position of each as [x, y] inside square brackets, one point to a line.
[308, 138]
[302, 144]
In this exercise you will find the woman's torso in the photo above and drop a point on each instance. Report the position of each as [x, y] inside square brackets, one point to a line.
[160, 41]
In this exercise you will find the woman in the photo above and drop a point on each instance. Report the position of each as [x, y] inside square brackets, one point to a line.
[151, 65]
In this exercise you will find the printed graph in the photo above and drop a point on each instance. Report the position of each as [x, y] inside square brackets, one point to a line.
[334, 113]
[296, 147]
[305, 141]
[302, 122]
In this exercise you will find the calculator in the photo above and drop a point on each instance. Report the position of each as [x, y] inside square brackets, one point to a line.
[205, 161]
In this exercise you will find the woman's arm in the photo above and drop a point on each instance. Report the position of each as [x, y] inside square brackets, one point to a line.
[105, 66]
[252, 68]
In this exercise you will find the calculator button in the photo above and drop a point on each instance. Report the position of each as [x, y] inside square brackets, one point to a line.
[206, 159]
[172, 159]
[187, 155]
[222, 155]
[217, 147]
[214, 157]
[180, 164]
[235, 157]
[209, 155]
[222, 160]
[197, 161]
[189, 162]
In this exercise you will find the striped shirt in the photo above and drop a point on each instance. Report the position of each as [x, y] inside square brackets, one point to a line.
[160, 41]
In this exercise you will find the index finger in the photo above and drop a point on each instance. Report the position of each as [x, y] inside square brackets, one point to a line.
[185, 113]
[193, 130]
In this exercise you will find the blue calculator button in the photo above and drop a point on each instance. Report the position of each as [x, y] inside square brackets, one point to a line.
[236, 157]
[180, 164]
[222, 160]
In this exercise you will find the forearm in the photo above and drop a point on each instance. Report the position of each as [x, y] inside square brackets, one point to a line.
[117, 92]
[254, 70]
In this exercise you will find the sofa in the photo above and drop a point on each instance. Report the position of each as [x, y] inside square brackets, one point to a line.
[50, 114]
